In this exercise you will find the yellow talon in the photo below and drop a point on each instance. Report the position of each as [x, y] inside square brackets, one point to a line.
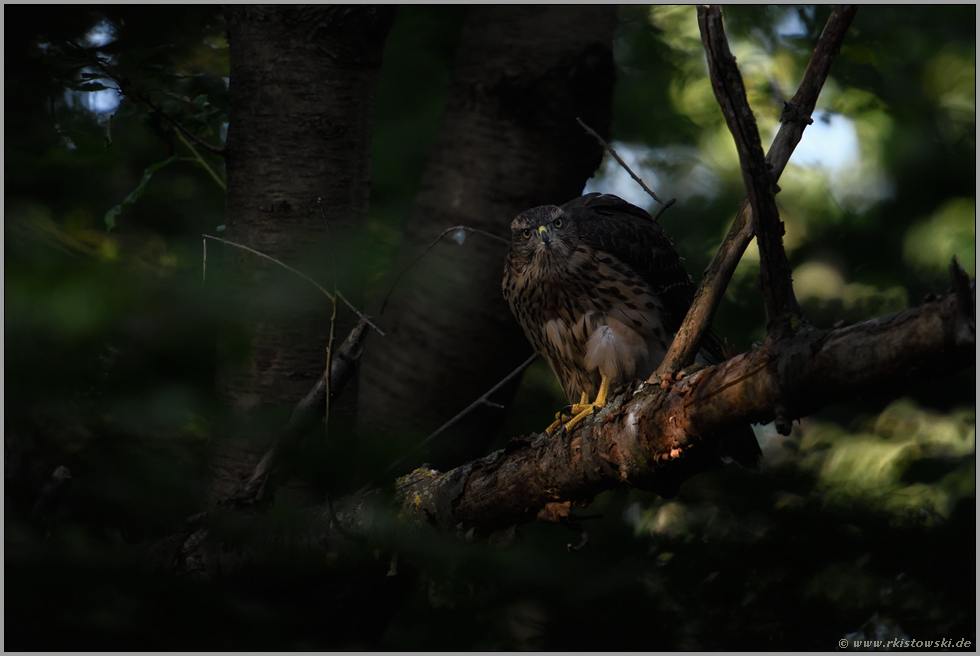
[583, 409]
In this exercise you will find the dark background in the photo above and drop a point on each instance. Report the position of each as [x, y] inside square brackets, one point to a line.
[863, 521]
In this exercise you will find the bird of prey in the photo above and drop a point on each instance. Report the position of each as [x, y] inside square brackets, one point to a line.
[600, 292]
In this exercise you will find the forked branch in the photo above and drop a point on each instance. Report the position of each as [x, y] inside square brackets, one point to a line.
[726, 80]
[796, 117]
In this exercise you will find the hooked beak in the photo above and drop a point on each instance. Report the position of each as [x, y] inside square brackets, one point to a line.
[544, 233]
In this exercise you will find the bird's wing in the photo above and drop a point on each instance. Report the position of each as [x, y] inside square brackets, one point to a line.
[610, 224]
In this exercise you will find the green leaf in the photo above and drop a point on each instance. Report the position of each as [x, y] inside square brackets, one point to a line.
[110, 216]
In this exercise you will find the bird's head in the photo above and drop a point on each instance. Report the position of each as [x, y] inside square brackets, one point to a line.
[542, 233]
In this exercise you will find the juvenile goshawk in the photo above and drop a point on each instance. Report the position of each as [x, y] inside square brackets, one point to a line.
[600, 292]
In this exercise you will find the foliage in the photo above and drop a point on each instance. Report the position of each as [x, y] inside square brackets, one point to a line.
[867, 508]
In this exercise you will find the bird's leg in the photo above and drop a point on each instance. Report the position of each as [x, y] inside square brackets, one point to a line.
[582, 410]
[571, 410]
[586, 409]
[584, 406]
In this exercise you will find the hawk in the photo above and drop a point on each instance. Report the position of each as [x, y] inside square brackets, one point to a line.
[600, 292]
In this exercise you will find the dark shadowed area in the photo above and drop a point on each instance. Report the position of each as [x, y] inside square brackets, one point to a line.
[146, 375]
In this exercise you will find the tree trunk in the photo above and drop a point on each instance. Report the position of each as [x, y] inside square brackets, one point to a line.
[508, 141]
[302, 96]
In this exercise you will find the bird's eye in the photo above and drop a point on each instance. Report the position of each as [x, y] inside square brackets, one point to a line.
[557, 223]
[527, 233]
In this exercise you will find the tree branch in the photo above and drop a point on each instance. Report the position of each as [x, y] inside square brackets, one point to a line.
[305, 277]
[797, 112]
[726, 80]
[483, 399]
[217, 150]
[795, 118]
[343, 365]
[652, 438]
[708, 297]
[657, 438]
[636, 178]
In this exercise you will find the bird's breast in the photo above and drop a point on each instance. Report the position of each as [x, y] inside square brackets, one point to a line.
[598, 319]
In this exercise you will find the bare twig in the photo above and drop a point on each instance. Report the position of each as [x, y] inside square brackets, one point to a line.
[274, 260]
[333, 318]
[719, 272]
[797, 111]
[454, 229]
[326, 399]
[612, 151]
[777, 283]
[683, 349]
[360, 315]
[462, 413]
[217, 150]
[202, 161]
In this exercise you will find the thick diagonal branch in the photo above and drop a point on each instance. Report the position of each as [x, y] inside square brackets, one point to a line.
[796, 116]
[659, 437]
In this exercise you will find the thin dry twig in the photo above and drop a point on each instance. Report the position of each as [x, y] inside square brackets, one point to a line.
[200, 160]
[462, 413]
[326, 401]
[456, 229]
[612, 151]
[273, 260]
[360, 314]
[217, 150]
[333, 319]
